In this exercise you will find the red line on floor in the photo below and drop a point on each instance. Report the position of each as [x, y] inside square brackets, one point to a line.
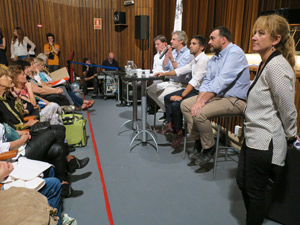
[107, 205]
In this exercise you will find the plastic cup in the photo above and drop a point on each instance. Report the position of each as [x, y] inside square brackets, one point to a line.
[147, 73]
[139, 73]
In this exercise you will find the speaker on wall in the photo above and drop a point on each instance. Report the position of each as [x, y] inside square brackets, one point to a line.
[141, 27]
[119, 17]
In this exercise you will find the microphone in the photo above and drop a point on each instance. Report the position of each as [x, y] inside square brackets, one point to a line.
[164, 52]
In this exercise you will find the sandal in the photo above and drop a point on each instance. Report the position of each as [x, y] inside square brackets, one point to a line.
[90, 103]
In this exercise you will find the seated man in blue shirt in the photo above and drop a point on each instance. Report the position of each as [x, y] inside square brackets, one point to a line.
[176, 58]
[223, 91]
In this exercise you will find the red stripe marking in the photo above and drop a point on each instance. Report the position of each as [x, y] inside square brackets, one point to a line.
[107, 205]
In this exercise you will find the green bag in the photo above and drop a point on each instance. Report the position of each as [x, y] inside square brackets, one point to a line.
[75, 129]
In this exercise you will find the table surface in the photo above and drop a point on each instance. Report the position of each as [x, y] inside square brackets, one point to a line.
[129, 78]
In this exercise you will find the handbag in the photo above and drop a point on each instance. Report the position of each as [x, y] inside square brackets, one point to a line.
[10, 133]
[40, 126]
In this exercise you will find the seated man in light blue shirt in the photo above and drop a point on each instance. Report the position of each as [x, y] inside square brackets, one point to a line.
[223, 91]
[176, 58]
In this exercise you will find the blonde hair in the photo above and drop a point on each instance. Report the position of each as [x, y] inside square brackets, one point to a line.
[4, 72]
[277, 25]
[39, 61]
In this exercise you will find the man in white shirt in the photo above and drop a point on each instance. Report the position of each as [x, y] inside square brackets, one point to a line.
[176, 58]
[198, 68]
[160, 43]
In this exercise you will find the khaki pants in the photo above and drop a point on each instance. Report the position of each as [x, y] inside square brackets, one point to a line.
[200, 126]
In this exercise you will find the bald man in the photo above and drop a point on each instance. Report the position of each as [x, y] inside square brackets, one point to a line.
[110, 61]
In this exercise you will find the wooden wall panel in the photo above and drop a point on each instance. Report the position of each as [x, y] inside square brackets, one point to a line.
[72, 24]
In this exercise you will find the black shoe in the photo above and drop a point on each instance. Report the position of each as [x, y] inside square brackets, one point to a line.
[207, 154]
[196, 150]
[67, 191]
[75, 164]
[205, 167]
[163, 118]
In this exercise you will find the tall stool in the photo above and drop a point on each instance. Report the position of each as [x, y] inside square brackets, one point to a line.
[219, 120]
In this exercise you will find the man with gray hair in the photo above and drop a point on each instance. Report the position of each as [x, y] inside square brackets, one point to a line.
[176, 58]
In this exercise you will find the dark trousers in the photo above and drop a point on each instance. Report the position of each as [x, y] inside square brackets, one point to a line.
[88, 83]
[49, 146]
[255, 177]
[173, 111]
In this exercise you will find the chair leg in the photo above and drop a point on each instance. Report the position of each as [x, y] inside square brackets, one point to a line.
[154, 116]
[185, 139]
[217, 152]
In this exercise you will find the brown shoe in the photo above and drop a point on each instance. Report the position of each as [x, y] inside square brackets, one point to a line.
[167, 130]
[177, 140]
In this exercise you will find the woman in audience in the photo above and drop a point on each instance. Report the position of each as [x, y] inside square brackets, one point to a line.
[270, 115]
[3, 59]
[51, 189]
[47, 145]
[45, 81]
[50, 111]
[19, 45]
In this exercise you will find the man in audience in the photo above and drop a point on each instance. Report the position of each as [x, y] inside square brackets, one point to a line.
[110, 62]
[222, 92]
[90, 76]
[176, 58]
[172, 101]
[52, 50]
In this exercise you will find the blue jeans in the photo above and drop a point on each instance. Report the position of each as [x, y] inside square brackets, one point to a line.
[77, 100]
[22, 57]
[173, 111]
[52, 191]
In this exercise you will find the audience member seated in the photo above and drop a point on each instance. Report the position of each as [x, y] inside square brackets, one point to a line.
[50, 111]
[110, 62]
[51, 49]
[177, 58]
[51, 189]
[79, 102]
[222, 92]
[172, 101]
[90, 77]
[45, 145]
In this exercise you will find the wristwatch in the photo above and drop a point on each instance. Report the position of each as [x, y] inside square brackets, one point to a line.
[173, 60]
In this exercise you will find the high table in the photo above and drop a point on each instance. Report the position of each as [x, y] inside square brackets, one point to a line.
[143, 131]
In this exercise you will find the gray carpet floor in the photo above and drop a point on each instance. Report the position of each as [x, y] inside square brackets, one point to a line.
[145, 187]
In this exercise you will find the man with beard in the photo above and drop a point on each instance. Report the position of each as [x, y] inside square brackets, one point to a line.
[223, 91]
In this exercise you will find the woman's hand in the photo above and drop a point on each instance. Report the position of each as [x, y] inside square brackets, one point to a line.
[5, 169]
[31, 122]
[59, 90]
[25, 137]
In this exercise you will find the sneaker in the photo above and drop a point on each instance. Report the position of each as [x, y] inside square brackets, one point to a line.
[162, 119]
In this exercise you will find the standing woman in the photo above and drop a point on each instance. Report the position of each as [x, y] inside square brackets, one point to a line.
[270, 114]
[3, 59]
[19, 45]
